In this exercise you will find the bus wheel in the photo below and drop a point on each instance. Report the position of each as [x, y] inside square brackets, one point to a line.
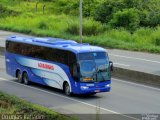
[25, 78]
[18, 75]
[67, 89]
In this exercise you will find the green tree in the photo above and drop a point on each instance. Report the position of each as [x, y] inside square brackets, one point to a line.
[127, 18]
[89, 6]
[150, 13]
[106, 9]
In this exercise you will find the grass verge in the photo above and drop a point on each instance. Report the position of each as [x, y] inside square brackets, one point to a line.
[11, 106]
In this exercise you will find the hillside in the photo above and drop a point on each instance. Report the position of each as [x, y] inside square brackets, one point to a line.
[122, 24]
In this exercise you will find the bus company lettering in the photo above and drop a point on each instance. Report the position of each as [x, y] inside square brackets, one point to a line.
[45, 66]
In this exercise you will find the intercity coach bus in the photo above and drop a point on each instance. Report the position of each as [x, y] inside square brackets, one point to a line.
[63, 64]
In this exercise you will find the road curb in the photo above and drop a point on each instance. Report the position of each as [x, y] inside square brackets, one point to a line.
[129, 75]
[137, 76]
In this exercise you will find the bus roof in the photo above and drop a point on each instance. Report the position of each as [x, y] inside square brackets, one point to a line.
[58, 43]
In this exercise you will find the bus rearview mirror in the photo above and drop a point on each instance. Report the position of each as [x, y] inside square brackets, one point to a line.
[111, 65]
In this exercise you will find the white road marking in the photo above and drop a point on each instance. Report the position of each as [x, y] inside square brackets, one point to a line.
[121, 64]
[91, 105]
[3, 79]
[141, 85]
[147, 60]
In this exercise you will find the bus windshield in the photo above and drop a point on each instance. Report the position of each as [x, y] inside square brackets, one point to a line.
[94, 67]
[87, 67]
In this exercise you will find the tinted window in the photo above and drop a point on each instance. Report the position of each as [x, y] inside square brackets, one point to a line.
[71, 61]
[92, 56]
[50, 54]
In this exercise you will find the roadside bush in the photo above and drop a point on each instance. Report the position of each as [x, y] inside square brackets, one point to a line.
[73, 28]
[156, 37]
[120, 35]
[105, 10]
[89, 6]
[90, 27]
[42, 25]
[143, 35]
[128, 18]
[157, 41]
[149, 19]
[153, 19]
[4, 12]
[132, 3]
[72, 7]
[67, 7]
[149, 11]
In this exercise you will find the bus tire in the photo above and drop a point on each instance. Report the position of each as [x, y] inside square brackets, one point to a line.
[25, 78]
[67, 90]
[18, 76]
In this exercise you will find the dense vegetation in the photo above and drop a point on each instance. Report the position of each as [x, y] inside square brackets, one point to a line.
[124, 24]
[14, 108]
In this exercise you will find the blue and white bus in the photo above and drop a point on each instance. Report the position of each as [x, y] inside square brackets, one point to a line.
[63, 64]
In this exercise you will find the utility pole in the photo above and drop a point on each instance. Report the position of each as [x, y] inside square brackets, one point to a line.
[81, 24]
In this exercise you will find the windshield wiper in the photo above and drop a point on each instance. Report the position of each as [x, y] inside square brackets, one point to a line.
[94, 73]
[100, 71]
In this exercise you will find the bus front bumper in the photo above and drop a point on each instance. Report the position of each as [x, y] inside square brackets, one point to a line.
[86, 88]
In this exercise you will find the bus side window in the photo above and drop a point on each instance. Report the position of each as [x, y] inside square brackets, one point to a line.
[75, 72]
[72, 65]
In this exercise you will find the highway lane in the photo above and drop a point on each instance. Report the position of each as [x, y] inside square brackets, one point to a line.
[124, 98]
[55, 100]
[144, 62]
[6, 34]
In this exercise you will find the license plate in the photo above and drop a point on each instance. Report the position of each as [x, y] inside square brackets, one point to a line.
[97, 91]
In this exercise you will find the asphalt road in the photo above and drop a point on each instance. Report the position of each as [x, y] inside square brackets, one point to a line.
[138, 61]
[126, 101]
[6, 34]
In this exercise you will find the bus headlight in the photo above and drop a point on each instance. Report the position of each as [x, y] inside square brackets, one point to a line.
[108, 85]
[84, 87]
